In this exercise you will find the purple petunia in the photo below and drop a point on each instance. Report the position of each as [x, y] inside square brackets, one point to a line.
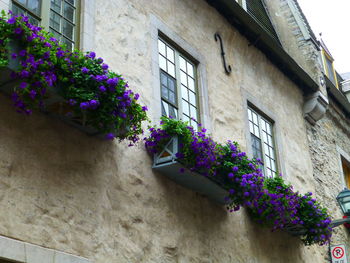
[85, 70]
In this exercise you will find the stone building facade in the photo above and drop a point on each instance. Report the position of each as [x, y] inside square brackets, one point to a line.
[67, 197]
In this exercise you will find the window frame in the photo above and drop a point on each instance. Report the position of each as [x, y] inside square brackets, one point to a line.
[159, 28]
[326, 57]
[178, 53]
[44, 17]
[262, 116]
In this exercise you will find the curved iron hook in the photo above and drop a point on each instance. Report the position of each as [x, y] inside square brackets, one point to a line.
[227, 68]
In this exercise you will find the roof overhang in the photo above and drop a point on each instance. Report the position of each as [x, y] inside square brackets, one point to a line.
[261, 39]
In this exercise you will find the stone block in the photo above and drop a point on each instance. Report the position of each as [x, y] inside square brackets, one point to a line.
[11, 249]
[61, 257]
[36, 254]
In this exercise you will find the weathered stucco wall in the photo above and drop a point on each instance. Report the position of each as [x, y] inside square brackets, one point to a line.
[64, 190]
[329, 139]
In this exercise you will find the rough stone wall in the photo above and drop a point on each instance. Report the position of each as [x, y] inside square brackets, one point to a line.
[326, 137]
[64, 190]
[303, 50]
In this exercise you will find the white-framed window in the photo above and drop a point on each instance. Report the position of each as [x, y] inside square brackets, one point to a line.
[60, 17]
[262, 141]
[178, 84]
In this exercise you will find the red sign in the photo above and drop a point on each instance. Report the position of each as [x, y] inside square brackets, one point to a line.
[338, 252]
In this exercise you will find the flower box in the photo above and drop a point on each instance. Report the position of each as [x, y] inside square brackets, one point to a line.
[166, 163]
[295, 230]
[6, 81]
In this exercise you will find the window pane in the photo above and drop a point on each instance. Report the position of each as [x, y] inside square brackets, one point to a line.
[193, 112]
[171, 69]
[71, 2]
[192, 98]
[56, 5]
[185, 108]
[250, 115]
[172, 97]
[34, 5]
[183, 64]
[163, 79]
[183, 78]
[162, 62]
[184, 92]
[251, 128]
[68, 12]
[190, 69]
[55, 21]
[170, 54]
[171, 84]
[190, 83]
[68, 29]
[161, 48]
[68, 43]
[165, 93]
[255, 118]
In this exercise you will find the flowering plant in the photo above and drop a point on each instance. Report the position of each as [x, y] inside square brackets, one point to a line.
[224, 164]
[282, 208]
[90, 91]
[270, 201]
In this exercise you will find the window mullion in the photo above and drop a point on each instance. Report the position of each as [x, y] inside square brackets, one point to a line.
[264, 159]
[45, 14]
[178, 85]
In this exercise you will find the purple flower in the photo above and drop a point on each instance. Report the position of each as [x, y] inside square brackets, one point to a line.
[84, 70]
[102, 88]
[109, 136]
[72, 102]
[13, 55]
[92, 55]
[84, 105]
[104, 66]
[24, 74]
[112, 82]
[231, 175]
[59, 54]
[32, 94]
[93, 104]
[23, 85]
[136, 97]
[11, 21]
[18, 30]
[144, 108]
[22, 53]
[235, 169]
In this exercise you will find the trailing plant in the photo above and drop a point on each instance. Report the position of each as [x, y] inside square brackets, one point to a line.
[90, 90]
[270, 201]
[281, 208]
[225, 164]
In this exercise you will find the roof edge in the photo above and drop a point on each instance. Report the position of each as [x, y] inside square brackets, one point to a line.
[258, 37]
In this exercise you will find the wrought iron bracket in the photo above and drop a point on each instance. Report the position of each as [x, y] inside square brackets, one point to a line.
[227, 68]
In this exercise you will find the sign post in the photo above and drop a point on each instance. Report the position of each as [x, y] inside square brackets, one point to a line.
[338, 254]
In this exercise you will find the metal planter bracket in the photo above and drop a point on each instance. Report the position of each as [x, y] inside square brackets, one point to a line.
[166, 163]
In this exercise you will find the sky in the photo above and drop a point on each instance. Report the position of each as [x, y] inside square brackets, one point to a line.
[332, 19]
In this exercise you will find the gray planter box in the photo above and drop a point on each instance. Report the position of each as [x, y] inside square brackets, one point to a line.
[295, 230]
[166, 163]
